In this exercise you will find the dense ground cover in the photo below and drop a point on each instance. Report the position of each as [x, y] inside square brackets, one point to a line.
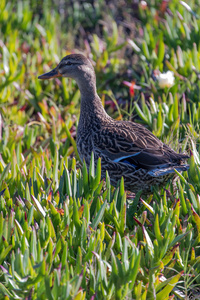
[64, 233]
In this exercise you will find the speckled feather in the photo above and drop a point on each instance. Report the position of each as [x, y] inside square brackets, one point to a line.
[126, 149]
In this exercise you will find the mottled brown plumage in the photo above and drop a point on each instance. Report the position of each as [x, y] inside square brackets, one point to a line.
[126, 149]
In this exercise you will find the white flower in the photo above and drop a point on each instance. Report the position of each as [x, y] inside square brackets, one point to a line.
[143, 4]
[166, 79]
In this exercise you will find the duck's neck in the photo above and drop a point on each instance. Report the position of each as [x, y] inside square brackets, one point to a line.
[87, 83]
[91, 106]
[92, 113]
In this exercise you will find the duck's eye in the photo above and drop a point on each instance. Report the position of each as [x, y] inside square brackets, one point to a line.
[69, 63]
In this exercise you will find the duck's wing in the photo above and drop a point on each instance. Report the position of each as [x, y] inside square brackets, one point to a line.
[133, 144]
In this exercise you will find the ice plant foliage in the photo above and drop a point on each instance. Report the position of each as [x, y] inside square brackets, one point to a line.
[65, 233]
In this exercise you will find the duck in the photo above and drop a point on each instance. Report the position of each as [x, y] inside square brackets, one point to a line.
[126, 149]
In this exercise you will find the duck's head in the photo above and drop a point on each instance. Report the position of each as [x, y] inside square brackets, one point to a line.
[74, 66]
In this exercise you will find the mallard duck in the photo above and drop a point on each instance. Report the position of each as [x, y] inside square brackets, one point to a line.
[126, 149]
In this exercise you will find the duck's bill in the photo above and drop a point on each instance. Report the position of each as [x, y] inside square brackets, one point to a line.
[52, 74]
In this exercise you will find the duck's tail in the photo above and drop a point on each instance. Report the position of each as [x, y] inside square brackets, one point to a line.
[168, 170]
